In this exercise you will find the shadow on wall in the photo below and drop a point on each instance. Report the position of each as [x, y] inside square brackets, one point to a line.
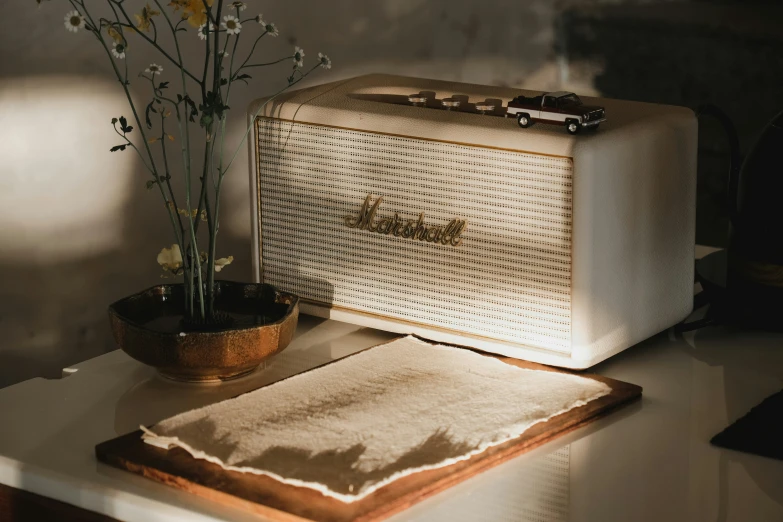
[72, 235]
[80, 230]
[689, 53]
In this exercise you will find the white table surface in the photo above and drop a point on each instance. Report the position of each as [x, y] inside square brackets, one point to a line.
[651, 461]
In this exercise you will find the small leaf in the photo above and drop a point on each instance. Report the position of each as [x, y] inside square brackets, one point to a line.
[147, 115]
[123, 123]
[152, 140]
[223, 81]
[171, 138]
[117, 147]
[150, 184]
[163, 85]
[179, 98]
[128, 129]
[193, 110]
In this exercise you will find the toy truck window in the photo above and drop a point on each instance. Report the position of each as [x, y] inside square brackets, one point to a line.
[550, 102]
[569, 99]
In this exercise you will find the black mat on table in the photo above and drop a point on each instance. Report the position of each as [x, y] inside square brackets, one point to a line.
[759, 432]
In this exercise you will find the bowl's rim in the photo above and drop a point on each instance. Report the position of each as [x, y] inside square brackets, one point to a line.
[292, 306]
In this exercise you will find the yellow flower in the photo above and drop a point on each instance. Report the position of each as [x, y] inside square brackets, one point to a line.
[144, 19]
[223, 262]
[194, 11]
[115, 34]
[170, 259]
[177, 4]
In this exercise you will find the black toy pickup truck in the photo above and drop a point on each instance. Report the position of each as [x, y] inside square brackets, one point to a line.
[560, 108]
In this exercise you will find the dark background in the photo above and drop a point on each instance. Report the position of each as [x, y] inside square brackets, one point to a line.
[78, 230]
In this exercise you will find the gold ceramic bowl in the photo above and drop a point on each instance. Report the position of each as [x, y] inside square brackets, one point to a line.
[148, 327]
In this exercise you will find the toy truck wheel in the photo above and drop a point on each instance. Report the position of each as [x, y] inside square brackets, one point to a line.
[572, 126]
[523, 119]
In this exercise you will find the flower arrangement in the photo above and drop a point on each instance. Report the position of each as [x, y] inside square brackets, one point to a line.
[197, 99]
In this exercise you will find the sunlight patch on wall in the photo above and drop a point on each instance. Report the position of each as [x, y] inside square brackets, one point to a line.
[62, 192]
[237, 188]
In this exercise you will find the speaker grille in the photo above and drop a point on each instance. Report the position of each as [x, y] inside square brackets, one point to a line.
[509, 279]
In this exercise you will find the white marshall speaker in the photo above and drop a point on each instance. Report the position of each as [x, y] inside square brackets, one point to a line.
[416, 206]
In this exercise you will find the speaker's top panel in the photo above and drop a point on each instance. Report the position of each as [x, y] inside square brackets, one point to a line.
[463, 113]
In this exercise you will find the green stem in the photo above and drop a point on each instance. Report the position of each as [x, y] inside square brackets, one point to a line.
[231, 67]
[206, 57]
[138, 152]
[252, 49]
[263, 105]
[97, 32]
[163, 137]
[284, 58]
[130, 24]
[185, 137]
[217, 58]
[216, 77]
[203, 202]
[222, 172]
[210, 18]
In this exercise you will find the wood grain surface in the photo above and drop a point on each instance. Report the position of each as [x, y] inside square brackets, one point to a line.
[277, 501]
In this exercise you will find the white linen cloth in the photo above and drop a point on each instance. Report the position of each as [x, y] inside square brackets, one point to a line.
[355, 425]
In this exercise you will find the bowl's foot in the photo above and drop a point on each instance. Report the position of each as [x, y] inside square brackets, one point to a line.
[206, 378]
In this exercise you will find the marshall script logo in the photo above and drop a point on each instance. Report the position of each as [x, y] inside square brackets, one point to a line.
[405, 228]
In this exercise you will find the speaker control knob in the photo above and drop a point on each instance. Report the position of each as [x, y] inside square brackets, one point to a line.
[484, 108]
[450, 103]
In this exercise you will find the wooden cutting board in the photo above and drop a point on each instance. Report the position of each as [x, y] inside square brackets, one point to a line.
[277, 501]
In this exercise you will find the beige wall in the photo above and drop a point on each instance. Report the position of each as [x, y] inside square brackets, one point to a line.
[79, 229]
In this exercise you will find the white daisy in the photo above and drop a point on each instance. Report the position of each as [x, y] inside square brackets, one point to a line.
[298, 55]
[202, 34]
[118, 50]
[268, 27]
[271, 29]
[154, 69]
[231, 24]
[325, 61]
[239, 5]
[74, 21]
